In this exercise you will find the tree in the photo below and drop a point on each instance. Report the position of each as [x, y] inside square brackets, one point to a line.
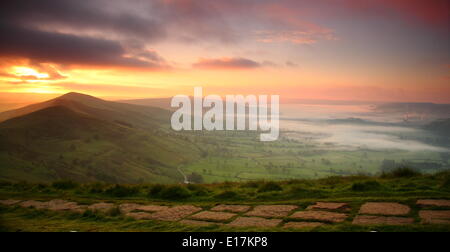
[195, 178]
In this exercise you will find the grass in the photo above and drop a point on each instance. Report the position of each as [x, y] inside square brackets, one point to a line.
[355, 190]
[175, 192]
[403, 172]
[269, 187]
[119, 154]
[366, 186]
[393, 184]
[240, 157]
[57, 143]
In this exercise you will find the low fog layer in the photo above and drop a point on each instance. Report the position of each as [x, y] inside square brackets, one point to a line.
[311, 121]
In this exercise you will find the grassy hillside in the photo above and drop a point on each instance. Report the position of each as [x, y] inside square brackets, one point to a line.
[86, 139]
[82, 138]
[142, 116]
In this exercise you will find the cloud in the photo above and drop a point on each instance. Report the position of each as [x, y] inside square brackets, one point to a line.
[69, 32]
[111, 33]
[434, 13]
[111, 89]
[227, 63]
[76, 16]
[50, 70]
[198, 20]
[122, 33]
[268, 63]
[295, 36]
[115, 33]
[291, 64]
[46, 47]
[149, 21]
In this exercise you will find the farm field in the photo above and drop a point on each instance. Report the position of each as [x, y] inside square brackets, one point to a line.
[241, 157]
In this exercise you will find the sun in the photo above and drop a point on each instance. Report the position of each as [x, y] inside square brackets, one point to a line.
[29, 72]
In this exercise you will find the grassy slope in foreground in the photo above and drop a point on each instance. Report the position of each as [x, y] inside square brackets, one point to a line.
[404, 187]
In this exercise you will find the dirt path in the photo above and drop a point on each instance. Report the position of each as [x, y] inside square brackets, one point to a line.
[186, 180]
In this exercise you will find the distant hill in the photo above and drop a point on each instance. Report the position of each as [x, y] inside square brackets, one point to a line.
[163, 103]
[415, 107]
[10, 101]
[441, 127]
[87, 139]
[415, 112]
[359, 121]
[89, 105]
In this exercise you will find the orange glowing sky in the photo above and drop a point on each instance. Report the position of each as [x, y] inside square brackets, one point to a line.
[371, 50]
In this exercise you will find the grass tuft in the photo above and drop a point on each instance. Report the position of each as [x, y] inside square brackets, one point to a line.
[175, 192]
[65, 185]
[366, 186]
[122, 191]
[403, 172]
[269, 187]
[227, 195]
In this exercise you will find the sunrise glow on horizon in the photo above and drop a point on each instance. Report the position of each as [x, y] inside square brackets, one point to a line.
[368, 50]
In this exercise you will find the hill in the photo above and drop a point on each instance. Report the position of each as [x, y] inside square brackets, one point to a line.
[163, 103]
[143, 116]
[85, 139]
[418, 113]
[441, 127]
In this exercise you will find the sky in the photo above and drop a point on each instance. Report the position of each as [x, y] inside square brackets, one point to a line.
[358, 50]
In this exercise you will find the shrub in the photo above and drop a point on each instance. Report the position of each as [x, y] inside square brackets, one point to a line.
[95, 187]
[113, 212]
[40, 186]
[269, 187]
[294, 182]
[366, 186]
[23, 186]
[403, 172]
[121, 191]
[198, 190]
[299, 191]
[196, 178]
[446, 184]
[252, 184]
[155, 190]
[5, 183]
[227, 195]
[332, 181]
[175, 193]
[64, 185]
[226, 185]
[89, 214]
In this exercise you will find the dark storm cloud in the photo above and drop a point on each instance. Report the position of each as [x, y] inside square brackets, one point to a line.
[44, 46]
[151, 20]
[102, 32]
[37, 30]
[75, 14]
